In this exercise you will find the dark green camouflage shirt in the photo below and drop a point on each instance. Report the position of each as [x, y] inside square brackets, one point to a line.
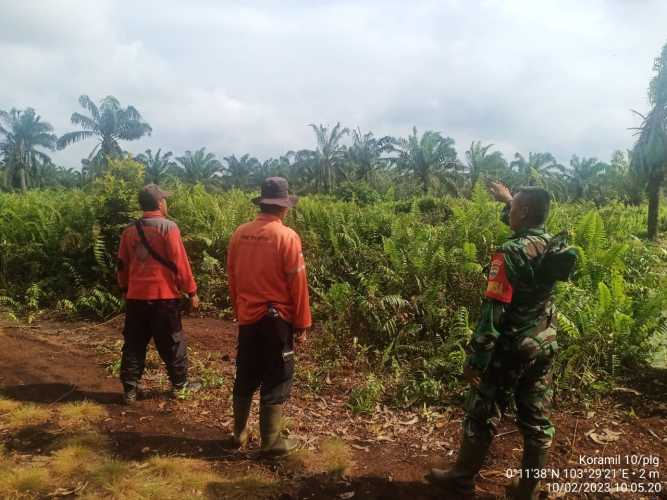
[516, 304]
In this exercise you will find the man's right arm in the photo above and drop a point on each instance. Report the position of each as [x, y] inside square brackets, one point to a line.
[502, 194]
[499, 292]
[481, 345]
[231, 280]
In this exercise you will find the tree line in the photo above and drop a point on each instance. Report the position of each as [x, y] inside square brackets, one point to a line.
[344, 161]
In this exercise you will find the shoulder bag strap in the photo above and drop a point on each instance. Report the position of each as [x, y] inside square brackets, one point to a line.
[166, 263]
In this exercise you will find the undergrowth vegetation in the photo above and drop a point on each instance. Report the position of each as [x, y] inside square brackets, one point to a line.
[396, 282]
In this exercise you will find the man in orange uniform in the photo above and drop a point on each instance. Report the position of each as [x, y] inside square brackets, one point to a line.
[269, 292]
[153, 272]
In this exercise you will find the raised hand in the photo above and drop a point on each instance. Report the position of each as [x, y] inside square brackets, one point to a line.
[500, 191]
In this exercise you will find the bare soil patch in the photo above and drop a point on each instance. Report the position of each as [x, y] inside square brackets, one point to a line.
[390, 450]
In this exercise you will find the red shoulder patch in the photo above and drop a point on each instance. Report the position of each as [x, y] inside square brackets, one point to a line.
[498, 286]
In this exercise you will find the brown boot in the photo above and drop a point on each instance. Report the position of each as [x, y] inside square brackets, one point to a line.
[241, 413]
[534, 460]
[460, 479]
[270, 427]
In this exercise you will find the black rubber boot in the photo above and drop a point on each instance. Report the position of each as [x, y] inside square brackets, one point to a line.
[534, 460]
[130, 396]
[460, 479]
[270, 427]
[241, 414]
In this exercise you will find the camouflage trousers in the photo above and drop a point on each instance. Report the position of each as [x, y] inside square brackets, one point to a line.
[520, 372]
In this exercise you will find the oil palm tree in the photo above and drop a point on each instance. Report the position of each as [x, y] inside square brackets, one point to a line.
[367, 153]
[649, 158]
[321, 168]
[23, 139]
[481, 162]
[241, 172]
[585, 177]
[540, 169]
[199, 167]
[428, 157]
[280, 167]
[156, 166]
[109, 123]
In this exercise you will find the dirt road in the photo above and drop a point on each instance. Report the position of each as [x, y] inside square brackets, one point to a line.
[390, 450]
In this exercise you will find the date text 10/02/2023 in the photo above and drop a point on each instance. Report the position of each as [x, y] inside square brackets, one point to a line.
[617, 473]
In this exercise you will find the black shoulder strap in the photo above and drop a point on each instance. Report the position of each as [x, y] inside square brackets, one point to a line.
[166, 263]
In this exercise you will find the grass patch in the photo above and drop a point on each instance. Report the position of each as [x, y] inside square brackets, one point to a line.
[336, 456]
[113, 367]
[363, 399]
[80, 414]
[183, 473]
[26, 415]
[86, 439]
[8, 405]
[22, 482]
[333, 457]
[207, 373]
[76, 461]
[109, 474]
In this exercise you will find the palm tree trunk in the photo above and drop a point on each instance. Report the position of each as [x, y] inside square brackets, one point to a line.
[24, 184]
[654, 191]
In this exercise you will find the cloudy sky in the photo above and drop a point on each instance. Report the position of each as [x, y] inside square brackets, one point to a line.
[237, 77]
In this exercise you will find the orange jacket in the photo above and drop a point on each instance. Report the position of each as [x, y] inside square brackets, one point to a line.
[265, 266]
[141, 275]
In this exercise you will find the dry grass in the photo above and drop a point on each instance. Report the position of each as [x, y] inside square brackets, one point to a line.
[182, 472]
[8, 405]
[80, 464]
[333, 457]
[24, 482]
[80, 414]
[26, 415]
[135, 486]
[110, 473]
[336, 456]
[76, 461]
[162, 478]
[86, 439]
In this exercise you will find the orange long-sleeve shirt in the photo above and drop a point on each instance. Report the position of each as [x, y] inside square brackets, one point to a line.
[141, 275]
[265, 266]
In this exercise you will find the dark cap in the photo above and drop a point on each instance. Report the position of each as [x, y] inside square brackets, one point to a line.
[275, 192]
[151, 195]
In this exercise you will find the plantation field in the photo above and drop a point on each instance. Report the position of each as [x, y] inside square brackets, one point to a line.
[396, 287]
[398, 282]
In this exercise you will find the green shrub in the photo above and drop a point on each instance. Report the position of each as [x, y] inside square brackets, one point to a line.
[364, 399]
[389, 280]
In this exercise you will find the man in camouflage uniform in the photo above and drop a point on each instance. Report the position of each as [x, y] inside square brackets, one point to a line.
[511, 353]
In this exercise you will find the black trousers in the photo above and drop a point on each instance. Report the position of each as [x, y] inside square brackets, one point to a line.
[159, 320]
[265, 361]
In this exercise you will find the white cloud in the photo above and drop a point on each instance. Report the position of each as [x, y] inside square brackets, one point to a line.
[237, 77]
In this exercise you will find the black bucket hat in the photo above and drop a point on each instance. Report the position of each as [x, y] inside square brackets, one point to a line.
[275, 192]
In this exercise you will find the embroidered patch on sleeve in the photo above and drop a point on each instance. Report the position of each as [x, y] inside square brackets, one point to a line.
[499, 287]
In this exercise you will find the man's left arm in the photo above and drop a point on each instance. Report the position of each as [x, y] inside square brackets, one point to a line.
[295, 270]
